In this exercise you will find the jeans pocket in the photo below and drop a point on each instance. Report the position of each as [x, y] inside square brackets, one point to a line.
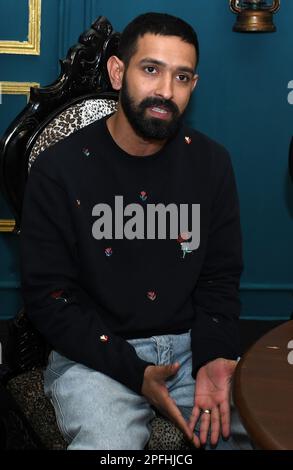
[144, 348]
[53, 364]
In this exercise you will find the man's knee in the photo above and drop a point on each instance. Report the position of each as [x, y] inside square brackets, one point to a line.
[110, 437]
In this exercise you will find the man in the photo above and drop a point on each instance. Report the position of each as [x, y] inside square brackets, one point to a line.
[140, 317]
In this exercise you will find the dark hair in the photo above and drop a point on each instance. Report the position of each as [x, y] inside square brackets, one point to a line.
[154, 23]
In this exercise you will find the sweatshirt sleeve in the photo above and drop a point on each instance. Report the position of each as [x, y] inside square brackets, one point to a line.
[55, 301]
[214, 333]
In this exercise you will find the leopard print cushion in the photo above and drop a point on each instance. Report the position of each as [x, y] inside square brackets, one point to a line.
[75, 117]
[165, 436]
[28, 391]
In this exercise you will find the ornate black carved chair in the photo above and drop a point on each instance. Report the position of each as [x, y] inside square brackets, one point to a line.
[81, 95]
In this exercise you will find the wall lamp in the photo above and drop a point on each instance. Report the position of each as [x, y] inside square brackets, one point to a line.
[254, 16]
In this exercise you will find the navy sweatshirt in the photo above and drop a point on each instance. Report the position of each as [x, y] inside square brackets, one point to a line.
[88, 294]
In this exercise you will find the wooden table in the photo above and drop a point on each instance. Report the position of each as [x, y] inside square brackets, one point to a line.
[263, 389]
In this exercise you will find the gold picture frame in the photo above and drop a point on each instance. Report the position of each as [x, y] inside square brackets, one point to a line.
[14, 88]
[7, 225]
[17, 88]
[32, 45]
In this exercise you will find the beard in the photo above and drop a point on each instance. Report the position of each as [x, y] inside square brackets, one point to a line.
[149, 127]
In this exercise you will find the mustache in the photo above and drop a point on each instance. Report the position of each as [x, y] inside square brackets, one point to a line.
[156, 102]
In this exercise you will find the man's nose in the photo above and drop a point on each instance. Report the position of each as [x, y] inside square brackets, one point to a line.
[165, 87]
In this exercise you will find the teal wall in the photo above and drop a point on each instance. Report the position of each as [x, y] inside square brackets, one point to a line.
[241, 101]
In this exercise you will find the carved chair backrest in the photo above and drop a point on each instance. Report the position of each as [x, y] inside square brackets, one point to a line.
[83, 87]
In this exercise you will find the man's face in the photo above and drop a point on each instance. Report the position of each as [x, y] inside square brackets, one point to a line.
[157, 85]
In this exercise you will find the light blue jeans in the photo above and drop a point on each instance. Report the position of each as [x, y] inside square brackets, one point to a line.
[95, 412]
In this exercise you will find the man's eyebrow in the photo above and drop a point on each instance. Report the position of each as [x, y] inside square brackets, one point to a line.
[181, 68]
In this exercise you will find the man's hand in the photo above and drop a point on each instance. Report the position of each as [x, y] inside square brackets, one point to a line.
[212, 392]
[156, 392]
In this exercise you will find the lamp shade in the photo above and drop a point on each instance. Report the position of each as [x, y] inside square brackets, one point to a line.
[254, 16]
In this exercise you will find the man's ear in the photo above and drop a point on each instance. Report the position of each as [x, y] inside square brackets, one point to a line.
[115, 68]
[195, 80]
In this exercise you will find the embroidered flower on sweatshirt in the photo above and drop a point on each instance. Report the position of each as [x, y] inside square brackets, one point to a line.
[86, 152]
[104, 338]
[57, 295]
[108, 251]
[143, 195]
[152, 295]
[185, 246]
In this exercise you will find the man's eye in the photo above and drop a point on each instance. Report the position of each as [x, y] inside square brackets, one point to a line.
[150, 69]
[183, 78]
